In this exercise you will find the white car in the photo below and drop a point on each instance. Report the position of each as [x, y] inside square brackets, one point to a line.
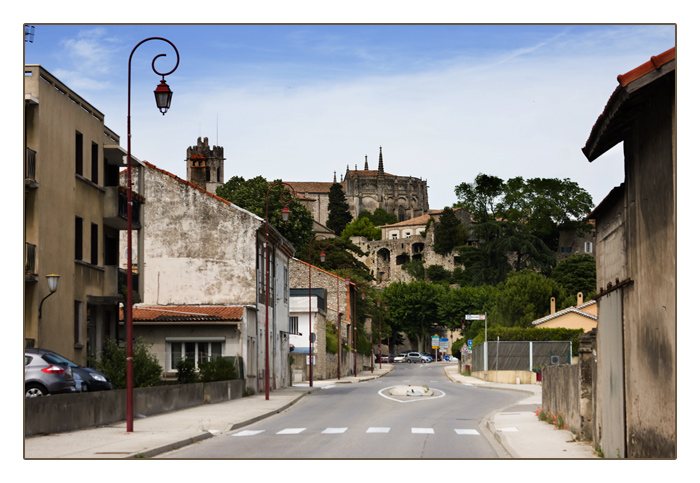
[400, 358]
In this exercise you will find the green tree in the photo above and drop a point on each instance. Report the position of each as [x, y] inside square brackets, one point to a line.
[456, 303]
[112, 363]
[380, 217]
[523, 298]
[252, 195]
[415, 268]
[338, 209]
[576, 274]
[362, 227]
[449, 233]
[438, 274]
[412, 308]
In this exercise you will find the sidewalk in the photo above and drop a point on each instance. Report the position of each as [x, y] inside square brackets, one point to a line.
[520, 433]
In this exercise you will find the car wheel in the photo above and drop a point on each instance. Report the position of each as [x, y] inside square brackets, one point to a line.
[34, 390]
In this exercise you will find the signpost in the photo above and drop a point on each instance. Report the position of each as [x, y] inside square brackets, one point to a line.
[486, 339]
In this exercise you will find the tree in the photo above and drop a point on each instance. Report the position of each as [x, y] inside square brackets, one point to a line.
[524, 297]
[449, 233]
[338, 209]
[576, 274]
[252, 195]
[415, 268]
[412, 308]
[456, 303]
[380, 217]
[362, 227]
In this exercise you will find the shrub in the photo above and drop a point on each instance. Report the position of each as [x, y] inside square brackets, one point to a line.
[220, 369]
[112, 363]
[186, 372]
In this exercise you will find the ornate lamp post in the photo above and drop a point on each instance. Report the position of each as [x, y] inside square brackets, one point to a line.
[163, 96]
[285, 219]
[322, 246]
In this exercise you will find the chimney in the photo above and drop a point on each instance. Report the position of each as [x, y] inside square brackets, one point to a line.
[552, 305]
[579, 299]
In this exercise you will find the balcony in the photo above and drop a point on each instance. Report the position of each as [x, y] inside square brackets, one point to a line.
[30, 169]
[116, 206]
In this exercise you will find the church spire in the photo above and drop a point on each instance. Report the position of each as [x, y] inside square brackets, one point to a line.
[381, 161]
[366, 165]
[334, 181]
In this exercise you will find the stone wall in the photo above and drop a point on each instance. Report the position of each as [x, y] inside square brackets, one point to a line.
[70, 412]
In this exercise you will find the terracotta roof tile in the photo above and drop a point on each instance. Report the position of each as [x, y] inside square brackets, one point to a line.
[654, 63]
[186, 313]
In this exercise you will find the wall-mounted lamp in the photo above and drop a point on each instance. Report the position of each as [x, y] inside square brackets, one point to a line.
[52, 280]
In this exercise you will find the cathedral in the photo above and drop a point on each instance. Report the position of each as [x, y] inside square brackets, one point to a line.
[404, 196]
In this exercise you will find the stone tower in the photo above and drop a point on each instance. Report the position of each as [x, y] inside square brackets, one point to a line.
[205, 166]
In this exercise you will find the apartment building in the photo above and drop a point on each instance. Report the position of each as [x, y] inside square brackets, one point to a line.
[74, 210]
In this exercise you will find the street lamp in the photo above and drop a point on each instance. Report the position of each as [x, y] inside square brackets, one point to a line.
[52, 281]
[285, 218]
[354, 334]
[322, 246]
[163, 96]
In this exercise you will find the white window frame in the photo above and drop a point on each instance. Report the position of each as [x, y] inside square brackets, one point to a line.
[181, 341]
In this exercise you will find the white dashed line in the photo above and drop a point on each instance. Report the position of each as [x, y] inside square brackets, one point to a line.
[467, 431]
[291, 431]
[248, 433]
[422, 431]
[334, 430]
[378, 430]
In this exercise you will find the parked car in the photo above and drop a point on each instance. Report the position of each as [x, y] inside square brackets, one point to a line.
[383, 358]
[44, 375]
[400, 358]
[426, 357]
[85, 379]
[414, 357]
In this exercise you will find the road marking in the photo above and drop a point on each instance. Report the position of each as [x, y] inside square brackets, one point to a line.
[291, 431]
[248, 433]
[334, 430]
[508, 430]
[422, 431]
[467, 431]
[378, 430]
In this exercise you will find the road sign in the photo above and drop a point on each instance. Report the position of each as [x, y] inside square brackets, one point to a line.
[444, 343]
[471, 343]
[475, 317]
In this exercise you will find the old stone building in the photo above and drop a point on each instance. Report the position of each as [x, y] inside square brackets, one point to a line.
[404, 196]
[205, 166]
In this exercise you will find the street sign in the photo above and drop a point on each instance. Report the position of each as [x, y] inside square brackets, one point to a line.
[471, 343]
[436, 342]
[475, 317]
[444, 343]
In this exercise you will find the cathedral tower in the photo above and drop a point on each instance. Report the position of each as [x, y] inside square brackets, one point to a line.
[205, 166]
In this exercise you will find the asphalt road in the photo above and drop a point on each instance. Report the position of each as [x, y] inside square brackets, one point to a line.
[366, 421]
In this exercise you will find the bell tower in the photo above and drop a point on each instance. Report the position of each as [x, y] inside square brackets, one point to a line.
[205, 166]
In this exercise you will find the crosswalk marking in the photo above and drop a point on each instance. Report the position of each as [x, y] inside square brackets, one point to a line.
[248, 433]
[373, 429]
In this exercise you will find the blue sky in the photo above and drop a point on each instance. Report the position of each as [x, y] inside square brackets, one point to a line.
[302, 102]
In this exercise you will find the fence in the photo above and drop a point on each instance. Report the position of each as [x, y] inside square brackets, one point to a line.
[520, 355]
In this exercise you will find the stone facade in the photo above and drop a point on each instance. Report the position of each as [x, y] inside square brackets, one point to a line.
[205, 166]
[404, 196]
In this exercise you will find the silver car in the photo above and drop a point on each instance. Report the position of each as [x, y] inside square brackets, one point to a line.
[414, 357]
[44, 375]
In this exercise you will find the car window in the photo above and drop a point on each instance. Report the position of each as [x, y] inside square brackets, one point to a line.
[56, 359]
[27, 360]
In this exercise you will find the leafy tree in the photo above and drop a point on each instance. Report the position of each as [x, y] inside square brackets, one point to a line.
[576, 274]
[449, 233]
[524, 297]
[112, 363]
[220, 369]
[456, 303]
[338, 209]
[380, 217]
[252, 195]
[481, 198]
[438, 274]
[412, 308]
[362, 227]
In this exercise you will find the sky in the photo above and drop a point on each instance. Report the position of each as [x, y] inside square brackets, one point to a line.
[304, 102]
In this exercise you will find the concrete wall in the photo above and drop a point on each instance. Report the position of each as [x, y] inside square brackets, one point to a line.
[70, 412]
[561, 394]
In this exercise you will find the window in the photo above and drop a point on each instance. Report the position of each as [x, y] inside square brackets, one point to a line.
[588, 247]
[77, 322]
[286, 284]
[78, 238]
[195, 351]
[94, 169]
[93, 243]
[294, 325]
[78, 153]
